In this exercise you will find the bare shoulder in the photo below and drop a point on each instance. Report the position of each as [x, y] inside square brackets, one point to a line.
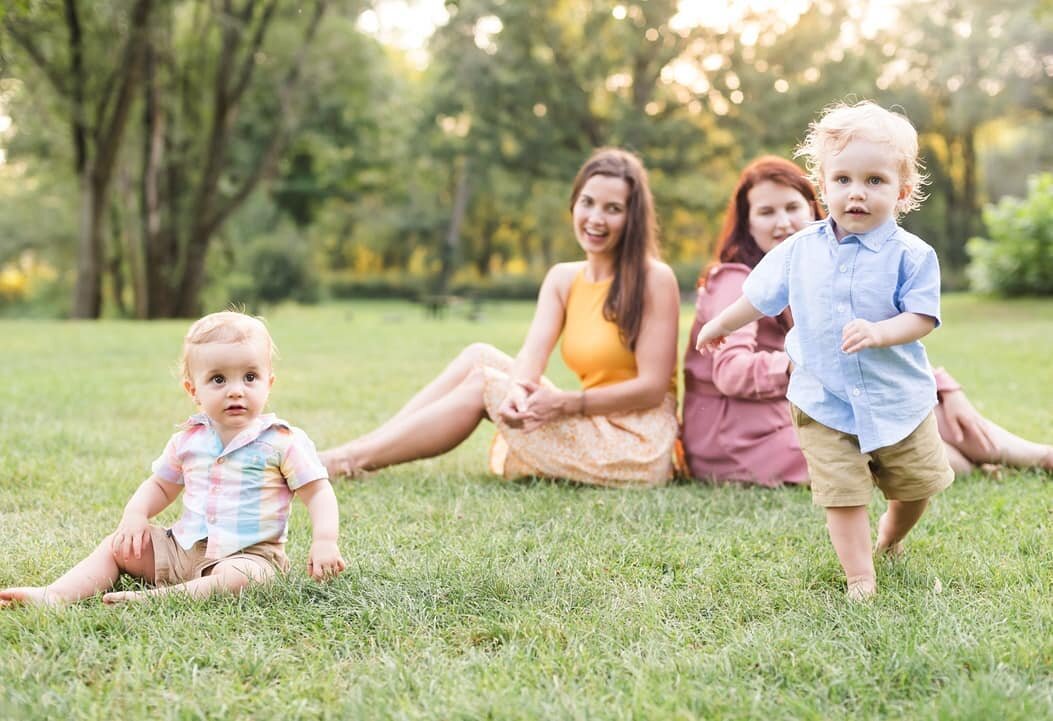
[560, 276]
[660, 278]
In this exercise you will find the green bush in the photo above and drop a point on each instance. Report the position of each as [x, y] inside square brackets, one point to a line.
[272, 269]
[1018, 259]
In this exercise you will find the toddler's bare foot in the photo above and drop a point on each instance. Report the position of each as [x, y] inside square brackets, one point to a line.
[27, 596]
[341, 463]
[115, 597]
[861, 588]
[885, 546]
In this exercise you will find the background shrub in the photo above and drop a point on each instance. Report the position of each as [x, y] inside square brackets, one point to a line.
[1018, 259]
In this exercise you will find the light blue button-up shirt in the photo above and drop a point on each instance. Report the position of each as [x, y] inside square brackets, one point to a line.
[879, 395]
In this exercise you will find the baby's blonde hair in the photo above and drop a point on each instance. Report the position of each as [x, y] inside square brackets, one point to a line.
[840, 123]
[228, 326]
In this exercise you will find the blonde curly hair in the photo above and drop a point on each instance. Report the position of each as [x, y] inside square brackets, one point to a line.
[841, 122]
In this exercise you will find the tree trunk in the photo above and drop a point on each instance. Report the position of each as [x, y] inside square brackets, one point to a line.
[453, 232]
[87, 293]
[98, 171]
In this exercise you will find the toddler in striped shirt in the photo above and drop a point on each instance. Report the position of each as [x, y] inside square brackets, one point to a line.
[237, 469]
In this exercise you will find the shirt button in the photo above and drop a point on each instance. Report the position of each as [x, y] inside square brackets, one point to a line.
[212, 518]
[856, 391]
[220, 460]
[840, 307]
[844, 268]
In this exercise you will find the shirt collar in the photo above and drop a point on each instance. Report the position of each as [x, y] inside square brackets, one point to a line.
[872, 239]
[261, 424]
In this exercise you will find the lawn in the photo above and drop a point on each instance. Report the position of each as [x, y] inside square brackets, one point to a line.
[467, 597]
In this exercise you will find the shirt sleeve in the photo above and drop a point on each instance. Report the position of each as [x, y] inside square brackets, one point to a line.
[767, 287]
[168, 466]
[300, 464]
[919, 292]
[740, 369]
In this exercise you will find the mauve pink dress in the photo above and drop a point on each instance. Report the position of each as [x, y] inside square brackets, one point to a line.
[736, 418]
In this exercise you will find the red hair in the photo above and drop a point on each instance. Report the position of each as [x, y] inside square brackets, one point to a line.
[735, 244]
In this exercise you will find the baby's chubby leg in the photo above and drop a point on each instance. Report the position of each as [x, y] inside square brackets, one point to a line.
[849, 528]
[896, 522]
[228, 576]
[98, 572]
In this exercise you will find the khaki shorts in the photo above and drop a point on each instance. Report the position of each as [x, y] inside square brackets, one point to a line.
[173, 564]
[840, 475]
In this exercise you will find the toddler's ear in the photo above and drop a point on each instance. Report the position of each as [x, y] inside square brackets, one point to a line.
[905, 191]
[189, 388]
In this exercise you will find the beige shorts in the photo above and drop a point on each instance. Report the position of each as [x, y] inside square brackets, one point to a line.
[173, 564]
[840, 475]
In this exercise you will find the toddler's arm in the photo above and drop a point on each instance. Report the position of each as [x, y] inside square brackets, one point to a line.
[727, 322]
[324, 559]
[152, 497]
[897, 330]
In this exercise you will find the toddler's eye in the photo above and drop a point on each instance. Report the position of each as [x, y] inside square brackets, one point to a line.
[217, 379]
[875, 180]
[250, 377]
[842, 179]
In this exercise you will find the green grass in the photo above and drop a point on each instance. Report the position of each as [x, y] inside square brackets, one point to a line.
[467, 597]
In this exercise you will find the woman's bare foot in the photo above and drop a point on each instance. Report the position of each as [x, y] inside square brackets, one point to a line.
[885, 546]
[115, 597]
[341, 462]
[1047, 460]
[861, 588]
[27, 596]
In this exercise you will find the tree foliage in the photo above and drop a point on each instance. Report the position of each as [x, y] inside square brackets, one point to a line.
[459, 169]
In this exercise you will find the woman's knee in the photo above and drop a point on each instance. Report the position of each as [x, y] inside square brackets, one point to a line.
[476, 352]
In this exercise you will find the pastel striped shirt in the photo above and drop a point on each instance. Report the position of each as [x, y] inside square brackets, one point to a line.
[238, 495]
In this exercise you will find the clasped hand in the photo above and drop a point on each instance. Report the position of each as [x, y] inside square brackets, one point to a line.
[529, 405]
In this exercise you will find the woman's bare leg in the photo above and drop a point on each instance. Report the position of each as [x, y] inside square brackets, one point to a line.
[98, 572]
[959, 463]
[419, 426]
[1009, 450]
[426, 431]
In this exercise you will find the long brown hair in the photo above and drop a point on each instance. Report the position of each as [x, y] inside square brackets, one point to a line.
[639, 241]
[735, 244]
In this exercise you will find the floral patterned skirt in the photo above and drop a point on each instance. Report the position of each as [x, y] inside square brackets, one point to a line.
[622, 450]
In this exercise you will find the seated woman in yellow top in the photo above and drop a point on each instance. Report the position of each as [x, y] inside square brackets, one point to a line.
[618, 313]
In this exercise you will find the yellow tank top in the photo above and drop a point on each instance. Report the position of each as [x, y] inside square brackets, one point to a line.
[591, 346]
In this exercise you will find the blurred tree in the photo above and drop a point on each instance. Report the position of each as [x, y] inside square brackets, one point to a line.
[224, 90]
[91, 59]
[957, 65]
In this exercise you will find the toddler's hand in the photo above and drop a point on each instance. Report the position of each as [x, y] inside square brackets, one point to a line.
[324, 560]
[859, 334]
[130, 537]
[711, 337]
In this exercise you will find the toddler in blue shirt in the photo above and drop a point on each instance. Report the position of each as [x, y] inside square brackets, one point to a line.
[863, 292]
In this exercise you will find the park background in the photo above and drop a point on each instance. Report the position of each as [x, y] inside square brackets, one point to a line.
[159, 159]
